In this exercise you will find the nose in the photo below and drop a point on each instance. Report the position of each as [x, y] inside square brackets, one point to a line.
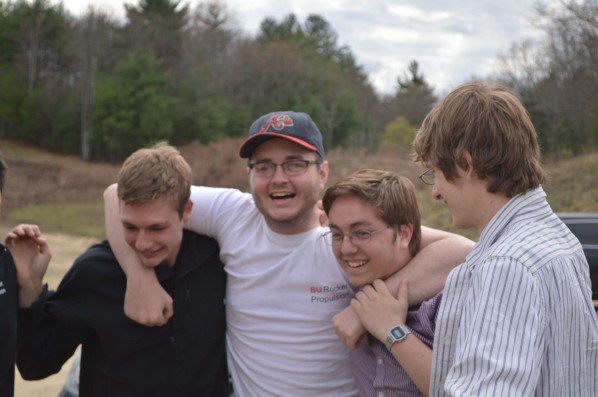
[435, 193]
[347, 246]
[279, 174]
[142, 242]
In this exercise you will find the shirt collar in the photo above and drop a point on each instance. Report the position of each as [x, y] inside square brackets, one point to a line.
[528, 205]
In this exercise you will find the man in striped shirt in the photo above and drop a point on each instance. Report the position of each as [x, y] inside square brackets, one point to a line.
[517, 317]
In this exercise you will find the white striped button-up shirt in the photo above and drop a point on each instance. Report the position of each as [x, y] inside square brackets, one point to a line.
[517, 317]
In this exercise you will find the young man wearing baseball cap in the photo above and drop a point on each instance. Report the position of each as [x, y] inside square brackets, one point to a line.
[283, 284]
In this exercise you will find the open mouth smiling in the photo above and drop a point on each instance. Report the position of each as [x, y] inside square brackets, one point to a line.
[282, 196]
[356, 264]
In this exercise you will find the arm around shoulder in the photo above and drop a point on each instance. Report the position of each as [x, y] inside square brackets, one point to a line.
[426, 273]
[146, 302]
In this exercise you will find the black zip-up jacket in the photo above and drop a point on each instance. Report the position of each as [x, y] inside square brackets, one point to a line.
[8, 322]
[121, 358]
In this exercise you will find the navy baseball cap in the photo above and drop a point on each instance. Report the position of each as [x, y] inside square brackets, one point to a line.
[294, 126]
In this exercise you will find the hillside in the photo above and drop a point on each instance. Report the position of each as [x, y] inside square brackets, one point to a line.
[40, 184]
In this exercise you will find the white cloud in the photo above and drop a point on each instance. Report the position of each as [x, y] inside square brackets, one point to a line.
[451, 40]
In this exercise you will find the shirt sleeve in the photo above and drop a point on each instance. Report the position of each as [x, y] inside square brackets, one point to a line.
[500, 338]
[43, 343]
[216, 210]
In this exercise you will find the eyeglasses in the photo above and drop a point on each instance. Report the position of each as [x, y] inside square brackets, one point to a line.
[290, 167]
[356, 237]
[428, 177]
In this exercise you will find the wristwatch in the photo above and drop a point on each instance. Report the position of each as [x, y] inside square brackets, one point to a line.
[396, 334]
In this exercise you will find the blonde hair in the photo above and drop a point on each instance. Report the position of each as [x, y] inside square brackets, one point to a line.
[153, 173]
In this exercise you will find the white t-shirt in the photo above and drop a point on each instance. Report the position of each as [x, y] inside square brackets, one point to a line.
[282, 291]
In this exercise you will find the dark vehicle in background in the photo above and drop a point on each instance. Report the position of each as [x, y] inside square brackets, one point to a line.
[585, 228]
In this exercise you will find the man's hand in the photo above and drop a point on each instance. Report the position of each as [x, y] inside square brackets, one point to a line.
[31, 254]
[348, 327]
[378, 310]
[146, 302]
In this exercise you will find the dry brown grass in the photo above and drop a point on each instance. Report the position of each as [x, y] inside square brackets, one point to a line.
[63, 193]
[35, 176]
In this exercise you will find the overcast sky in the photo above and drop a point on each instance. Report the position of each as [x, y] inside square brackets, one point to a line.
[452, 40]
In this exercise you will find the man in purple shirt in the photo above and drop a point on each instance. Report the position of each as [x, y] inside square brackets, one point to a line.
[375, 231]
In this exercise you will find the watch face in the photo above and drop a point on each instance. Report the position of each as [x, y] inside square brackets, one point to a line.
[397, 332]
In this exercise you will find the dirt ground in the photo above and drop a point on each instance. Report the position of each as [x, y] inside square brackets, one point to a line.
[64, 250]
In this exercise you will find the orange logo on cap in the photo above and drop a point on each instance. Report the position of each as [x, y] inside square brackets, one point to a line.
[278, 122]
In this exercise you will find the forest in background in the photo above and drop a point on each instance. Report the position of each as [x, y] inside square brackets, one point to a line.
[99, 88]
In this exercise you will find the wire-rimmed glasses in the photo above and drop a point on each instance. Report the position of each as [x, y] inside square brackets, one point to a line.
[428, 177]
[356, 237]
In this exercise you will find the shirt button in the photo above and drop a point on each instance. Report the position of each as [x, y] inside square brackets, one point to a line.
[379, 361]
[380, 394]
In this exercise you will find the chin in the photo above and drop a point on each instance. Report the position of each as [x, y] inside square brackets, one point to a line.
[152, 262]
[354, 283]
[283, 216]
[358, 282]
[455, 222]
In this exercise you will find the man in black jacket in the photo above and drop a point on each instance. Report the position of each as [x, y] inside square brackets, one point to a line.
[8, 310]
[185, 357]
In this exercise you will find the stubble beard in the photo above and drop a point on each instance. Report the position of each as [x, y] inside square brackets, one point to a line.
[295, 223]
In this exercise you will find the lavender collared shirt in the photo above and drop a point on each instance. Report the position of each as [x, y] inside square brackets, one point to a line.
[376, 371]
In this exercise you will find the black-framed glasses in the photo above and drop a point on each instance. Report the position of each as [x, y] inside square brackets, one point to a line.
[290, 167]
[356, 237]
[428, 177]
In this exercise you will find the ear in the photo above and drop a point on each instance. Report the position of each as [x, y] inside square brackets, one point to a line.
[187, 211]
[469, 171]
[324, 169]
[405, 234]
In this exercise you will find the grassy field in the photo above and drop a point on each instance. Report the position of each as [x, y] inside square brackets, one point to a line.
[63, 193]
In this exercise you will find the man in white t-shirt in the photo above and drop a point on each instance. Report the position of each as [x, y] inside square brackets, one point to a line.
[283, 285]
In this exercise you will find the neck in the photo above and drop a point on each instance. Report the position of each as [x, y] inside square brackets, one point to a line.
[299, 225]
[492, 204]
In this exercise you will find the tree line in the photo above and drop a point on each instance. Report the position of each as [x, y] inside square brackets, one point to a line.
[102, 87]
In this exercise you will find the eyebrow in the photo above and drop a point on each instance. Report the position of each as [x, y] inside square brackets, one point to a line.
[151, 226]
[353, 225]
[291, 157]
